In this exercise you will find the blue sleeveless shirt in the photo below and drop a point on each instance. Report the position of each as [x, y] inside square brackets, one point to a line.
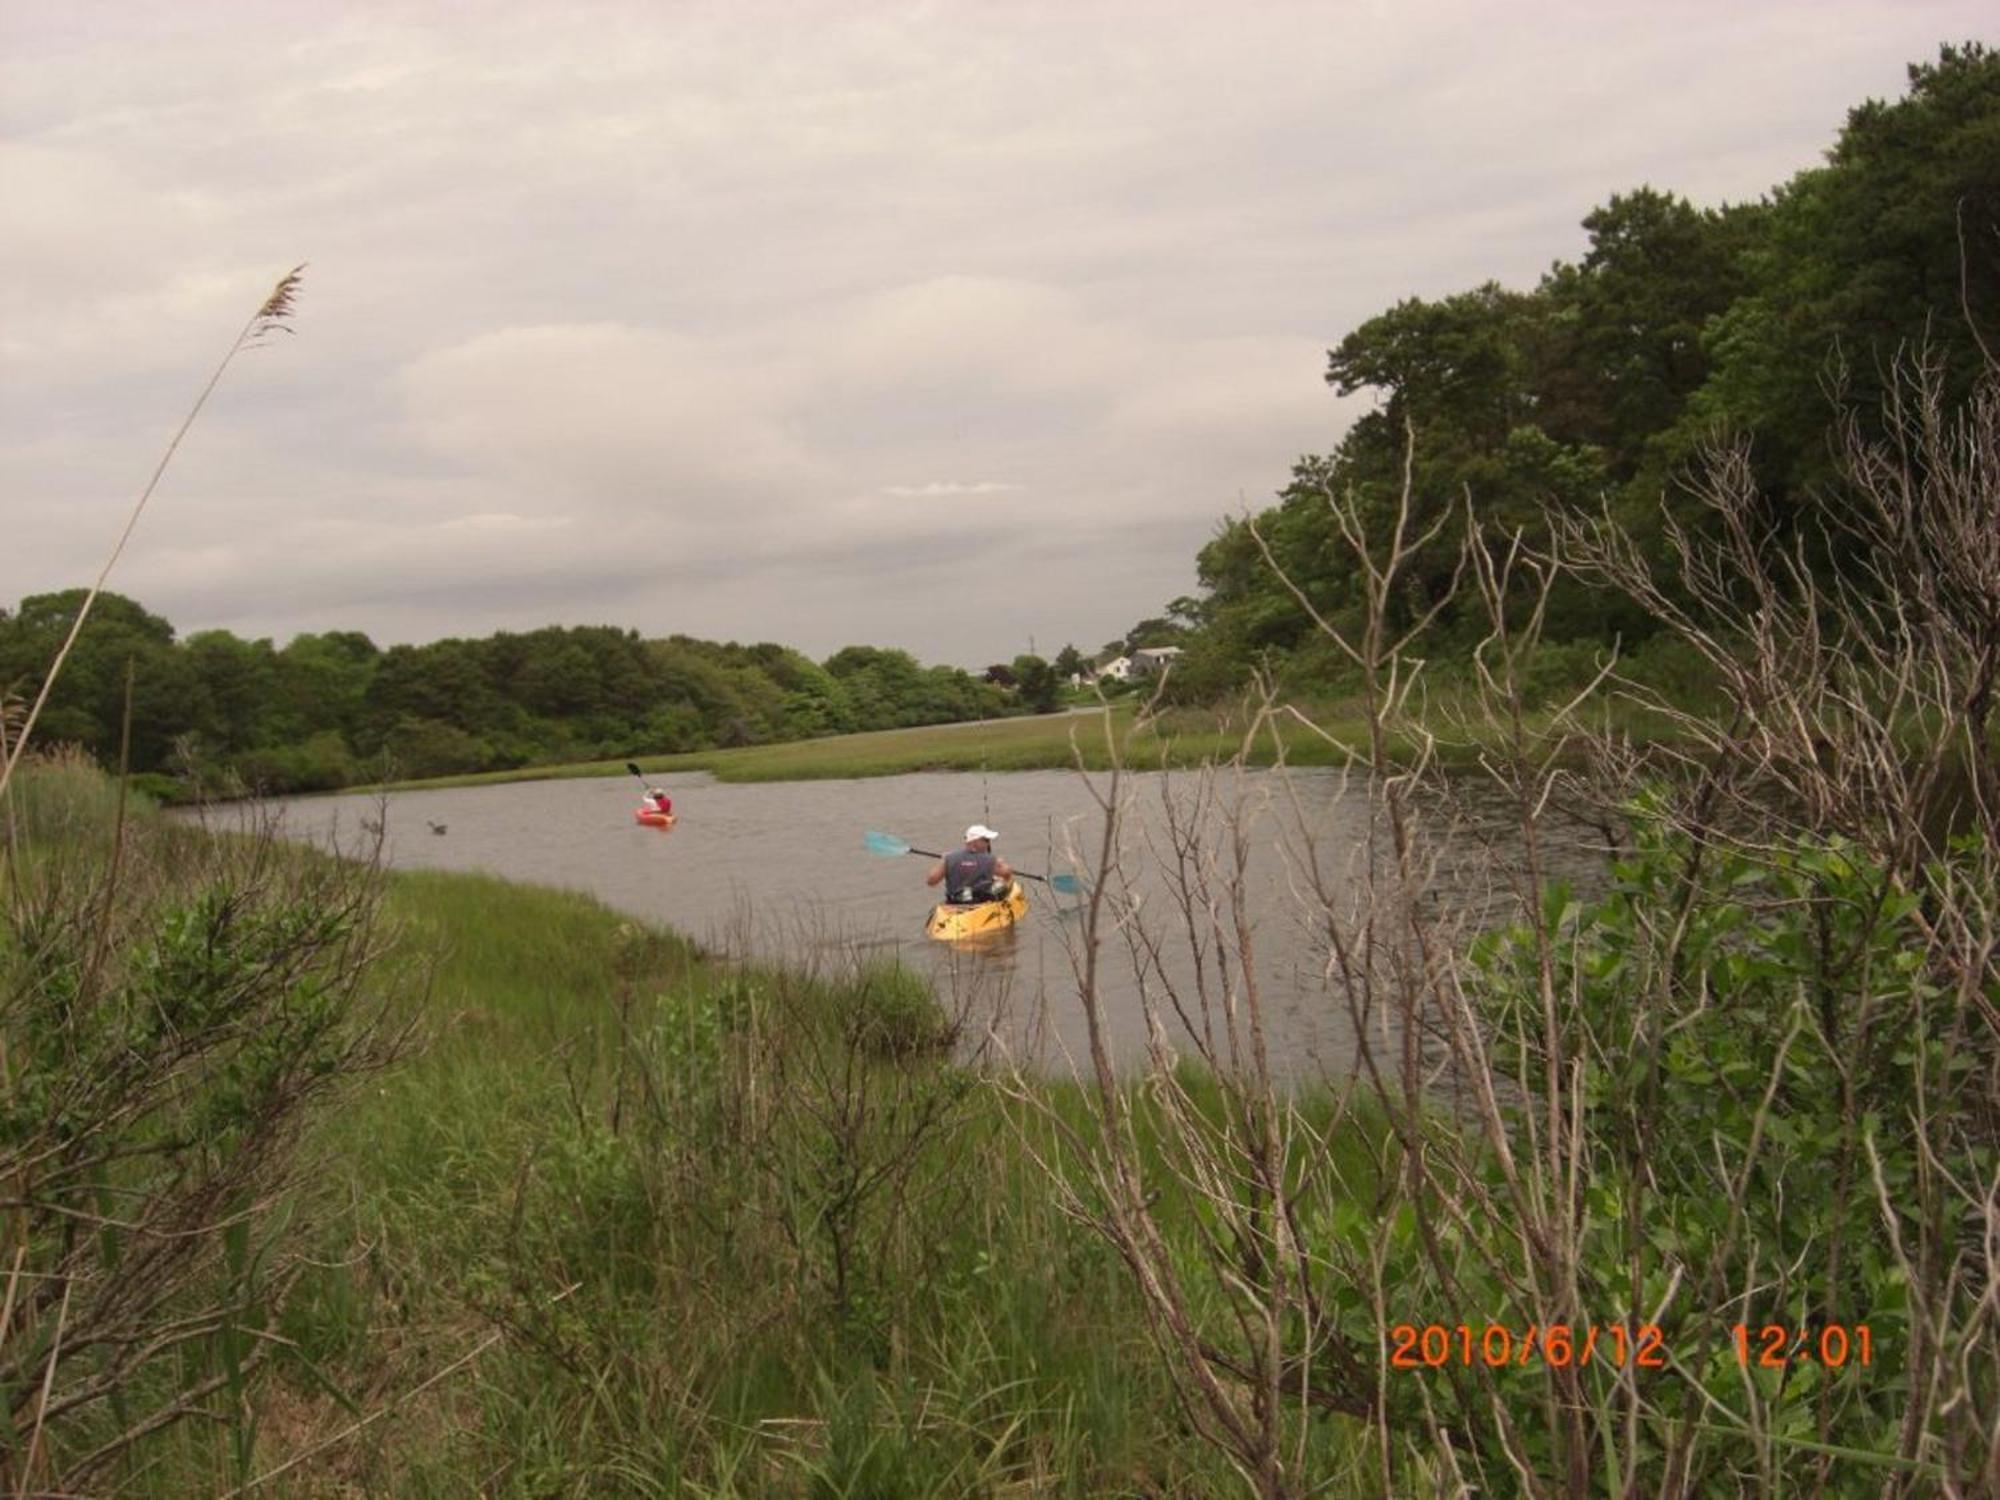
[968, 876]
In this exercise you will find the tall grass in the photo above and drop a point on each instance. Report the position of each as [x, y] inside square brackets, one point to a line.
[739, 1232]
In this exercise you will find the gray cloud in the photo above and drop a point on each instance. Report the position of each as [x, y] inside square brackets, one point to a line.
[940, 489]
[754, 321]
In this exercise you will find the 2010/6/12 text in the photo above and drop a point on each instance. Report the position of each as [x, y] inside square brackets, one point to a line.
[1558, 1345]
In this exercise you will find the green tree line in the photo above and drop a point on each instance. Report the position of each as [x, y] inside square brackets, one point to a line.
[331, 709]
[1679, 326]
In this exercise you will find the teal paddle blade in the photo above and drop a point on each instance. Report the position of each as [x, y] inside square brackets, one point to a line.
[1069, 885]
[884, 843]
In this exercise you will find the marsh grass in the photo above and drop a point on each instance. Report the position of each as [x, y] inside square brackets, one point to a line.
[645, 1169]
[67, 798]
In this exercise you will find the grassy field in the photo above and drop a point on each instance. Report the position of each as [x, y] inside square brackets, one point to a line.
[1319, 734]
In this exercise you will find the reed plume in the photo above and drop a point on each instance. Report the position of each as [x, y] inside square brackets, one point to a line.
[270, 317]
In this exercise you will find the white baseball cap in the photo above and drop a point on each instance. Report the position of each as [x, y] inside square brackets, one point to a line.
[979, 831]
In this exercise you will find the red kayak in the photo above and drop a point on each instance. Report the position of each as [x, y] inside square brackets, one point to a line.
[652, 817]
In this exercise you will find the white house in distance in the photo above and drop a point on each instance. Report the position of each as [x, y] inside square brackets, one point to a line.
[1147, 661]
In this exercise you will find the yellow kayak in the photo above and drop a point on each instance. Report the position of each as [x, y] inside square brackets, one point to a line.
[953, 923]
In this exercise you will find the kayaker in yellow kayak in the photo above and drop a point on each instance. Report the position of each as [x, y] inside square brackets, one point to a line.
[973, 872]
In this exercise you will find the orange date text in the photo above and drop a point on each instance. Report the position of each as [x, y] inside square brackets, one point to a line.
[1557, 1345]
[1774, 1346]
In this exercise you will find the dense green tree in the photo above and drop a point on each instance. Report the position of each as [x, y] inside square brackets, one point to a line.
[324, 680]
[1893, 244]
[444, 682]
[415, 746]
[330, 707]
[561, 682]
[1603, 382]
[1156, 630]
[814, 702]
[885, 687]
[121, 641]
[816, 707]
[1458, 360]
[1036, 682]
[724, 702]
[949, 695]
[241, 691]
[1622, 346]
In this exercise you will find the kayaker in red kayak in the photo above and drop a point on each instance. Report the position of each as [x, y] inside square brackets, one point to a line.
[973, 872]
[658, 801]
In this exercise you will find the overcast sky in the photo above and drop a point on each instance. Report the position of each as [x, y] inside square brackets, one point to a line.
[948, 326]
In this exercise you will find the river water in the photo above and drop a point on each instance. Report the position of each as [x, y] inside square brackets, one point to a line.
[779, 870]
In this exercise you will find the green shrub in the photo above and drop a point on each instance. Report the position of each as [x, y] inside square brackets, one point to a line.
[894, 1013]
[1682, 677]
[162, 789]
[1556, 672]
[1760, 1040]
[171, 1014]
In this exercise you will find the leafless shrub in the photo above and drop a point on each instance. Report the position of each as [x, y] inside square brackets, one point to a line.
[1241, 1325]
[1857, 718]
[1753, 1084]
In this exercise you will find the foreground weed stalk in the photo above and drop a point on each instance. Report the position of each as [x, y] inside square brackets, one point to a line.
[268, 319]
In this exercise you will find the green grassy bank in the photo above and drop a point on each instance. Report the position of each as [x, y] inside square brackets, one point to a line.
[1318, 734]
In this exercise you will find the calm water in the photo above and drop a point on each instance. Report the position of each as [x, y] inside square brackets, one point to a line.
[779, 870]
